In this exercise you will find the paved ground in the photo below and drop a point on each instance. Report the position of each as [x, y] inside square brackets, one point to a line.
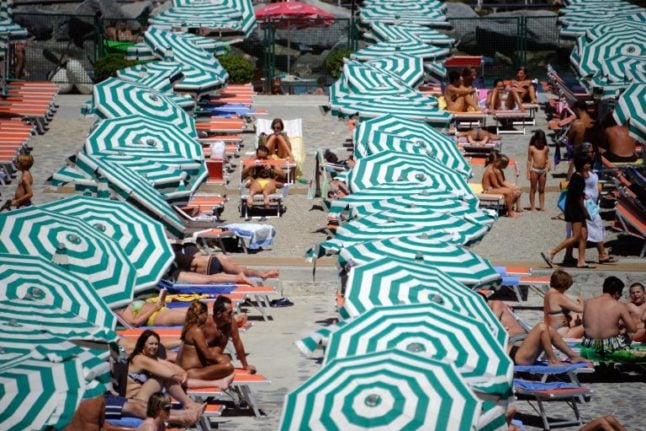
[271, 344]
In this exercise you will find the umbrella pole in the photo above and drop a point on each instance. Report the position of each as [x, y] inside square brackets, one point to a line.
[289, 44]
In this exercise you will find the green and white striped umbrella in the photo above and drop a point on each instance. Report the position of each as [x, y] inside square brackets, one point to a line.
[392, 281]
[621, 68]
[245, 7]
[463, 229]
[81, 248]
[134, 188]
[394, 131]
[369, 81]
[140, 52]
[382, 31]
[430, 330]
[458, 262]
[116, 98]
[575, 27]
[387, 390]
[158, 75]
[406, 68]
[401, 46]
[423, 13]
[203, 73]
[39, 280]
[631, 110]
[370, 228]
[140, 237]
[197, 16]
[392, 166]
[428, 201]
[39, 394]
[72, 175]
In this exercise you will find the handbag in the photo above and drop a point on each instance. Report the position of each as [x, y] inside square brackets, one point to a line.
[592, 208]
[560, 203]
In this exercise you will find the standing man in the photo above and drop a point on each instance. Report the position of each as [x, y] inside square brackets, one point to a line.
[637, 308]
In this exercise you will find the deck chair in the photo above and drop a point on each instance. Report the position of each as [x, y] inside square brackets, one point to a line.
[486, 200]
[632, 220]
[294, 131]
[276, 206]
[542, 392]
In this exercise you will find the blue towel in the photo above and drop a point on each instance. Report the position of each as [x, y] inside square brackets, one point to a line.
[501, 270]
[533, 385]
[509, 280]
[544, 368]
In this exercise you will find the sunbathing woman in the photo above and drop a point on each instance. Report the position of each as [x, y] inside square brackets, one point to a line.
[195, 356]
[522, 89]
[479, 136]
[262, 178]
[277, 142]
[144, 313]
[557, 307]
[195, 267]
[147, 374]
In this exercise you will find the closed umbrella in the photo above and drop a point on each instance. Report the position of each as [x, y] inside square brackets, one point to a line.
[78, 246]
[386, 390]
[631, 110]
[427, 13]
[158, 75]
[140, 237]
[215, 17]
[392, 281]
[116, 98]
[458, 262]
[433, 331]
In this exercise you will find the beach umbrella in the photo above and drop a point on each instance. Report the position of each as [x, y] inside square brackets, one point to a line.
[392, 281]
[406, 68]
[573, 27]
[458, 262]
[391, 166]
[411, 47]
[215, 17]
[463, 229]
[625, 68]
[628, 40]
[293, 14]
[370, 81]
[433, 331]
[116, 98]
[631, 110]
[134, 188]
[369, 229]
[244, 7]
[202, 72]
[158, 75]
[78, 246]
[39, 394]
[386, 390]
[430, 14]
[394, 131]
[414, 204]
[39, 281]
[140, 237]
[382, 31]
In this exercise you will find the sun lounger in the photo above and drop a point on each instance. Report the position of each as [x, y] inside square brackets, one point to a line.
[214, 125]
[469, 120]
[487, 200]
[286, 167]
[276, 206]
[632, 221]
[542, 392]
[506, 120]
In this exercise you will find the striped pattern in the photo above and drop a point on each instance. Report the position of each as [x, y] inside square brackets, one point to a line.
[386, 390]
[575, 27]
[245, 7]
[140, 237]
[631, 110]
[411, 47]
[430, 330]
[383, 31]
[429, 13]
[81, 248]
[405, 68]
[158, 75]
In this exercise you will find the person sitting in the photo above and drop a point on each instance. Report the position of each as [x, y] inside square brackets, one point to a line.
[196, 357]
[157, 413]
[456, 96]
[277, 142]
[224, 327]
[196, 267]
[637, 309]
[493, 182]
[147, 373]
[557, 307]
[262, 178]
[521, 91]
[123, 33]
[604, 318]
[619, 145]
[467, 84]
[496, 96]
[479, 136]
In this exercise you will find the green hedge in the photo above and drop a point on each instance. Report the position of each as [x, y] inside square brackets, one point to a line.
[240, 69]
[334, 62]
[108, 65]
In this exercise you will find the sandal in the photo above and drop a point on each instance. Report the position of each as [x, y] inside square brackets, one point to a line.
[586, 266]
[547, 260]
[609, 259]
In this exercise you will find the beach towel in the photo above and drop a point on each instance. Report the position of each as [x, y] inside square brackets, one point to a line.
[544, 368]
[255, 236]
[532, 385]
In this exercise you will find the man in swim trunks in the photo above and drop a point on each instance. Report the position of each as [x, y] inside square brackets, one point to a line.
[619, 145]
[637, 309]
[261, 177]
[604, 318]
[459, 98]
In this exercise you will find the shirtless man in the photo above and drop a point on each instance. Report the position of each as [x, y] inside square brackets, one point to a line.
[24, 192]
[619, 145]
[603, 319]
[637, 309]
[582, 130]
[522, 90]
[471, 99]
[223, 327]
[456, 95]
[493, 182]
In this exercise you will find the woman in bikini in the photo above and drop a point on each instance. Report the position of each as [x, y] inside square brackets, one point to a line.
[522, 90]
[195, 356]
[261, 177]
[144, 313]
[558, 308]
[538, 165]
[278, 143]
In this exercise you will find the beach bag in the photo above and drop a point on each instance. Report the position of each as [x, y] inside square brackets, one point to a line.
[592, 208]
[561, 201]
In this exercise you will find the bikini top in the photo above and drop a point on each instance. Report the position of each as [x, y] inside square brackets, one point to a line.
[136, 306]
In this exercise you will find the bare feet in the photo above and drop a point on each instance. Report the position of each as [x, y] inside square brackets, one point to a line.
[266, 201]
[554, 362]
[270, 273]
[222, 383]
[578, 359]
[513, 214]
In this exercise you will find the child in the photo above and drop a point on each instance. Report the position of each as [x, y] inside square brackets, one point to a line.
[24, 192]
[538, 165]
[494, 182]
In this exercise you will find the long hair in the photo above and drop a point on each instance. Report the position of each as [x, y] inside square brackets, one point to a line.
[278, 121]
[538, 135]
[156, 404]
[192, 316]
[141, 342]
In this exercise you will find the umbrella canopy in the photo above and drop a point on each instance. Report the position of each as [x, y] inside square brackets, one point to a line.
[631, 110]
[36, 394]
[573, 27]
[116, 98]
[392, 166]
[385, 390]
[371, 81]
[36, 280]
[427, 201]
[382, 31]
[392, 281]
[406, 68]
[394, 131]
[429, 13]
[411, 47]
[433, 331]
[245, 7]
[158, 75]
[211, 16]
[458, 262]
[625, 68]
[140, 237]
[134, 188]
[78, 246]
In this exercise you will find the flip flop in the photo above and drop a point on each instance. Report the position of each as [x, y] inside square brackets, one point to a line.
[609, 259]
[586, 266]
[547, 260]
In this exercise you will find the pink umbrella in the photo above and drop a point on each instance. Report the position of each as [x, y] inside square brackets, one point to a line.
[291, 14]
